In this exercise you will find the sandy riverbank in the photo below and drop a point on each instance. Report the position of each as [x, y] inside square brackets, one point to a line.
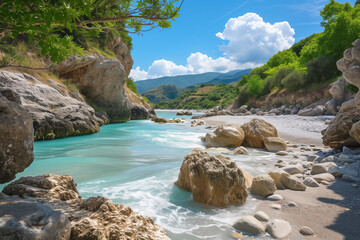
[292, 128]
[333, 211]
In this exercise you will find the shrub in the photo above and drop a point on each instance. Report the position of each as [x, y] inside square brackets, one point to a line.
[294, 81]
[321, 69]
[131, 85]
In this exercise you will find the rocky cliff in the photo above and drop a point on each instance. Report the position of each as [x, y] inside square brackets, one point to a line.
[60, 111]
[103, 82]
[344, 129]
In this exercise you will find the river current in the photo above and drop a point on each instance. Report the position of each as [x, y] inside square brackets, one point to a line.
[136, 163]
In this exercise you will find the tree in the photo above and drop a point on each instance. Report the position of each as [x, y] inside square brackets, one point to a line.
[255, 85]
[49, 23]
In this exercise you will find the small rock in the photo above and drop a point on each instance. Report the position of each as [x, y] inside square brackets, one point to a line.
[324, 176]
[305, 230]
[282, 153]
[237, 235]
[275, 206]
[278, 228]
[310, 182]
[249, 224]
[241, 150]
[312, 145]
[321, 167]
[324, 182]
[355, 185]
[293, 169]
[316, 149]
[261, 216]
[292, 204]
[275, 197]
[275, 144]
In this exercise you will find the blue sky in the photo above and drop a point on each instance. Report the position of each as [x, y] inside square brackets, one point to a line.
[222, 35]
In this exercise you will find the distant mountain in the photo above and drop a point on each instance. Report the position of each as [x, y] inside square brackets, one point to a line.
[194, 79]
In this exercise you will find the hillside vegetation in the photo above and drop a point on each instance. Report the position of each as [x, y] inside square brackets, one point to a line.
[205, 97]
[165, 93]
[310, 63]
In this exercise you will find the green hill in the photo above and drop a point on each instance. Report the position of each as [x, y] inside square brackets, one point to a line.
[165, 93]
[205, 97]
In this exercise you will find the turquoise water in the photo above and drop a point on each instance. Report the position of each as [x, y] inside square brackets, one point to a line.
[136, 163]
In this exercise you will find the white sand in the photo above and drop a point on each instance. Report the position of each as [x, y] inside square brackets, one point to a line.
[293, 128]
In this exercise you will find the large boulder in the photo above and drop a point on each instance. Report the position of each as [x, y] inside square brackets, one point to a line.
[340, 94]
[214, 180]
[256, 131]
[54, 197]
[263, 185]
[56, 110]
[17, 137]
[344, 127]
[225, 136]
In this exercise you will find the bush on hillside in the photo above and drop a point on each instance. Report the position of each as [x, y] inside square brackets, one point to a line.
[294, 81]
[131, 85]
[255, 85]
[321, 69]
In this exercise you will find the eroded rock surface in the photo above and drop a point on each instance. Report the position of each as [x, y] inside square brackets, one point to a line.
[56, 112]
[214, 180]
[63, 210]
[344, 127]
[256, 131]
[17, 137]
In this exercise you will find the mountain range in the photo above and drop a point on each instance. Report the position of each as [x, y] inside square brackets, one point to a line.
[183, 81]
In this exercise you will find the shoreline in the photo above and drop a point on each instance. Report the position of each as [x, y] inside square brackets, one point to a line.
[331, 211]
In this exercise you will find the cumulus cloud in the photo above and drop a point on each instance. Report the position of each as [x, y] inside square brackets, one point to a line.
[250, 43]
[251, 40]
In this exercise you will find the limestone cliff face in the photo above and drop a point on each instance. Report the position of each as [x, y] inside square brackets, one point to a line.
[55, 110]
[345, 127]
[103, 82]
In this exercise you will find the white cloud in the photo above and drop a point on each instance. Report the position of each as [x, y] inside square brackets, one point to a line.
[251, 42]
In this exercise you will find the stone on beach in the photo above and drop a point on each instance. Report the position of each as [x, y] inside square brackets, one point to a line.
[261, 216]
[278, 228]
[225, 136]
[241, 150]
[249, 224]
[293, 169]
[256, 131]
[282, 153]
[305, 230]
[263, 185]
[214, 180]
[275, 144]
[324, 177]
[310, 182]
[321, 167]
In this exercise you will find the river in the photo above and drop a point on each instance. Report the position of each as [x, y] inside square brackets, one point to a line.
[136, 163]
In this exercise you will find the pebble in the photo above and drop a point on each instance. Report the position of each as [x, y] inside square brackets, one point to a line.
[305, 230]
[312, 145]
[355, 185]
[275, 197]
[278, 228]
[306, 149]
[282, 153]
[291, 204]
[275, 206]
[317, 149]
[261, 216]
[324, 182]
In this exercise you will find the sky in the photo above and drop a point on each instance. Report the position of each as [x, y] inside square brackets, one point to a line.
[224, 35]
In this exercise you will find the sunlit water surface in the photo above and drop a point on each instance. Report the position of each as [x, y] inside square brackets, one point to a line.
[136, 163]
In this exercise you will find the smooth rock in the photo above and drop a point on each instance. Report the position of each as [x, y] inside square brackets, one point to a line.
[305, 230]
[275, 206]
[249, 224]
[261, 216]
[282, 153]
[275, 144]
[293, 169]
[274, 197]
[324, 176]
[225, 136]
[349, 178]
[278, 228]
[310, 182]
[263, 185]
[321, 167]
